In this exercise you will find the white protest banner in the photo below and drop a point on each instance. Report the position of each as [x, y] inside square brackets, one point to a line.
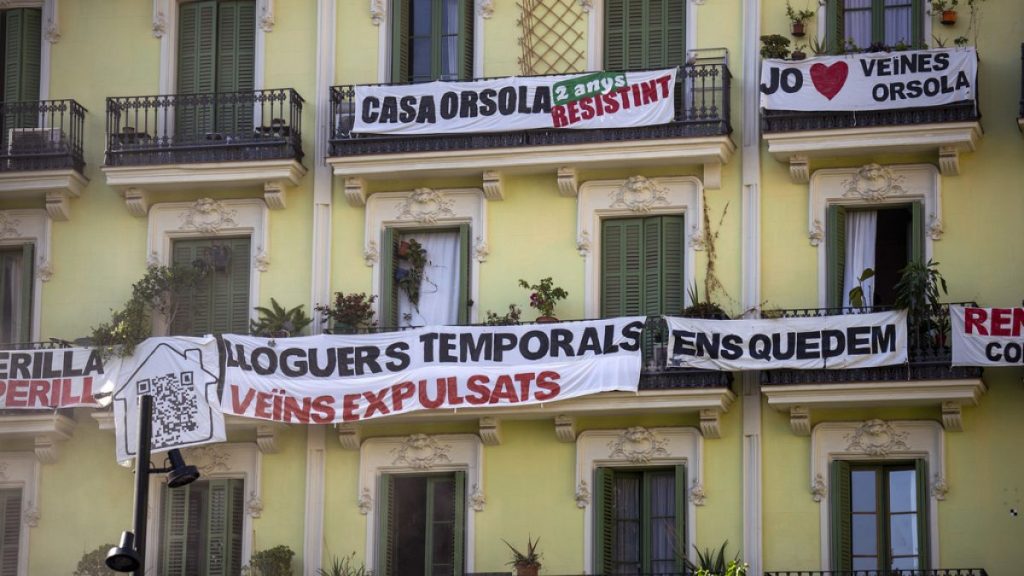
[590, 100]
[324, 379]
[825, 342]
[870, 81]
[181, 375]
[987, 336]
[55, 378]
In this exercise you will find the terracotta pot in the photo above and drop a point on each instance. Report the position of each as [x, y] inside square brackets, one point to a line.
[797, 55]
[948, 17]
[797, 29]
[527, 570]
[546, 320]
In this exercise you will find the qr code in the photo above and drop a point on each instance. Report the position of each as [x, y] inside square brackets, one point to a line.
[175, 406]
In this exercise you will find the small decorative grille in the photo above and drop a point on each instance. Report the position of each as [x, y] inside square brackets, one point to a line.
[552, 39]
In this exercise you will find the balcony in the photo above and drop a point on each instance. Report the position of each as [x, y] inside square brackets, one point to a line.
[198, 141]
[698, 134]
[1020, 114]
[41, 152]
[927, 379]
[893, 572]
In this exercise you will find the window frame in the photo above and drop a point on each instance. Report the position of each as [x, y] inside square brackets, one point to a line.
[595, 31]
[388, 301]
[22, 470]
[166, 493]
[207, 285]
[20, 227]
[458, 478]
[827, 14]
[382, 19]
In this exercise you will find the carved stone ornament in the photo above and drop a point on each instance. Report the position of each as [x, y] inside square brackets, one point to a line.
[208, 216]
[481, 251]
[159, 25]
[209, 459]
[9, 226]
[818, 488]
[876, 438]
[587, 5]
[873, 183]
[371, 254]
[153, 260]
[935, 228]
[582, 495]
[254, 506]
[426, 206]
[52, 32]
[697, 494]
[262, 261]
[639, 195]
[698, 240]
[31, 516]
[421, 452]
[583, 244]
[816, 234]
[637, 445]
[939, 487]
[377, 13]
[267, 19]
[477, 500]
[486, 8]
[44, 270]
[365, 502]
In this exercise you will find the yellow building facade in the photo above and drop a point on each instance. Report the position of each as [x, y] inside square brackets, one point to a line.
[141, 134]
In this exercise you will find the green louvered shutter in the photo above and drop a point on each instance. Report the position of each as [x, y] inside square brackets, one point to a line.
[464, 273]
[22, 33]
[223, 536]
[622, 267]
[466, 39]
[400, 21]
[835, 252]
[235, 70]
[666, 41]
[197, 65]
[25, 303]
[184, 253]
[835, 37]
[604, 521]
[923, 495]
[841, 520]
[682, 497]
[614, 35]
[388, 289]
[176, 531]
[916, 233]
[459, 526]
[386, 526]
[10, 530]
[219, 304]
[673, 269]
[635, 41]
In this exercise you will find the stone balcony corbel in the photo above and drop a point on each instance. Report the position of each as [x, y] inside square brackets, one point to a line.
[54, 187]
[46, 431]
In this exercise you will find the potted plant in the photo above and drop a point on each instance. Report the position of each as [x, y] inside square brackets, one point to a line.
[775, 46]
[349, 313]
[797, 19]
[543, 297]
[276, 561]
[510, 318]
[713, 562]
[946, 9]
[344, 566]
[528, 563]
[279, 322]
[412, 262]
[798, 52]
[706, 309]
[918, 292]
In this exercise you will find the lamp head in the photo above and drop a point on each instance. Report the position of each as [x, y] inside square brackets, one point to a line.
[180, 474]
[123, 557]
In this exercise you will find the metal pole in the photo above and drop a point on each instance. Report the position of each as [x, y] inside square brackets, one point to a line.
[140, 514]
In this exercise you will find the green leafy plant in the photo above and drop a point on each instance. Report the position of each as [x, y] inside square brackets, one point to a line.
[510, 318]
[775, 46]
[344, 566]
[544, 295]
[815, 45]
[943, 5]
[698, 309]
[409, 275]
[94, 563]
[278, 321]
[919, 290]
[352, 310]
[276, 561]
[713, 562]
[798, 16]
[733, 568]
[798, 51]
[528, 559]
[857, 292]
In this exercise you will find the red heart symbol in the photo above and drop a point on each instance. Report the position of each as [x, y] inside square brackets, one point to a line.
[829, 80]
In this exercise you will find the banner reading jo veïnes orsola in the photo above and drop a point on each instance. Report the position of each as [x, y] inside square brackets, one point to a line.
[324, 379]
[829, 342]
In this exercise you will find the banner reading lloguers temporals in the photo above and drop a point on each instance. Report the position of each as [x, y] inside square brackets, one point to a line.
[591, 100]
[324, 379]
[825, 342]
[56, 378]
[987, 336]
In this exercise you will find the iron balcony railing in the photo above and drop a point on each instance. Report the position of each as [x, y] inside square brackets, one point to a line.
[791, 121]
[51, 344]
[1021, 113]
[929, 352]
[41, 135]
[701, 109]
[885, 572]
[195, 128]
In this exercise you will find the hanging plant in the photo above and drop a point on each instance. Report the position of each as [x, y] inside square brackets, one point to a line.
[409, 274]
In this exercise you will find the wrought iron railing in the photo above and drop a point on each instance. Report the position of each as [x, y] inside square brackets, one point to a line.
[51, 344]
[929, 352]
[701, 109]
[886, 572]
[195, 128]
[41, 135]
[792, 121]
[1021, 113]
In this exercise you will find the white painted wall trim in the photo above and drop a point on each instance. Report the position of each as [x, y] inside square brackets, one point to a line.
[595, 30]
[380, 13]
[313, 539]
[19, 227]
[877, 440]
[323, 180]
[21, 470]
[215, 461]
[636, 196]
[208, 218]
[421, 453]
[872, 185]
[629, 448]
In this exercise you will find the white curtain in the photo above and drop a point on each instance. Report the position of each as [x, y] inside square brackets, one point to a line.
[439, 291]
[857, 23]
[861, 232]
[450, 39]
[897, 22]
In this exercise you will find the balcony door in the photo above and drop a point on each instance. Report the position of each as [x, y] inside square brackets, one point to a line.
[642, 34]
[20, 40]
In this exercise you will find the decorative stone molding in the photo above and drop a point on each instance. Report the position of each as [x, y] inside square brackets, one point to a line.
[626, 449]
[355, 191]
[207, 216]
[490, 431]
[377, 13]
[481, 250]
[493, 185]
[486, 8]
[371, 254]
[46, 449]
[159, 18]
[639, 195]
[137, 201]
[565, 428]
[568, 182]
[939, 487]
[54, 189]
[583, 243]
[875, 440]
[273, 195]
[800, 420]
[425, 206]
[935, 227]
[44, 269]
[30, 517]
[709, 422]
[713, 176]
[874, 183]
[210, 459]
[697, 494]
[949, 160]
[586, 5]
[698, 239]
[799, 169]
[19, 227]
[266, 438]
[462, 452]
[349, 436]
[267, 20]
[262, 261]
[9, 226]
[254, 505]
[952, 419]
[816, 233]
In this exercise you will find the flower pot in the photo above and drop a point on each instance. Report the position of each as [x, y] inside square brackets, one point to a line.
[797, 29]
[527, 570]
[948, 17]
[797, 55]
[546, 320]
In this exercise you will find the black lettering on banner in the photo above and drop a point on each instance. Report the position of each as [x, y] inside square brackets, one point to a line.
[708, 346]
[683, 344]
[446, 348]
[319, 371]
[507, 101]
[449, 105]
[590, 341]
[542, 100]
[732, 347]
[760, 347]
[296, 369]
[833, 343]
[790, 80]
[503, 342]
[487, 104]
[467, 105]
[632, 332]
[369, 112]
[858, 340]
[408, 106]
[992, 351]
[529, 352]
[807, 345]
[428, 345]
[398, 352]
[780, 353]
[271, 364]
[883, 338]
[428, 111]
[561, 343]
[472, 349]
[389, 110]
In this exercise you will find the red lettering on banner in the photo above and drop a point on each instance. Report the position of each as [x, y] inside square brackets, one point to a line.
[376, 403]
[240, 407]
[400, 393]
[999, 322]
[17, 393]
[524, 380]
[37, 393]
[349, 407]
[453, 391]
[481, 393]
[292, 410]
[264, 404]
[323, 411]
[974, 319]
[503, 390]
[558, 117]
[431, 403]
[1001, 318]
[548, 381]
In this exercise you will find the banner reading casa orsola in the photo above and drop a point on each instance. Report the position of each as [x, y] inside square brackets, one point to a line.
[590, 100]
[826, 342]
[870, 81]
[987, 336]
[324, 379]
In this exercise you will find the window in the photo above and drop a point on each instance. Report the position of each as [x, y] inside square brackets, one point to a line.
[422, 523]
[10, 530]
[16, 286]
[220, 303]
[21, 45]
[640, 523]
[879, 515]
[202, 531]
[884, 238]
[867, 22]
[642, 34]
[444, 287]
[431, 40]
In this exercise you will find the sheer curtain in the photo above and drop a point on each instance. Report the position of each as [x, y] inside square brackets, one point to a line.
[898, 14]
[450, 40]
[10, 289]
[857, 22]
[439, 291]
[861, 232]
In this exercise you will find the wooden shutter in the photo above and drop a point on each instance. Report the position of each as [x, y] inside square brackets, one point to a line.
[25, 303]
[222, 542]
[923, 499]
[388, 289]
[464, 274]
[400, 21]
[604, 521]
[219, 304]
[10, 530]
[466, 39]
[841, 503]
[175, 533]
[615, 34]
[22, 33]
[665, 43]
[673, 272]
[197, 62]
[916, 243]
[386, 526]
[622, 267]
[835, 252]
[459, 527]
[235, 70]
[835, 37]
[682, 497]
[635, 37]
